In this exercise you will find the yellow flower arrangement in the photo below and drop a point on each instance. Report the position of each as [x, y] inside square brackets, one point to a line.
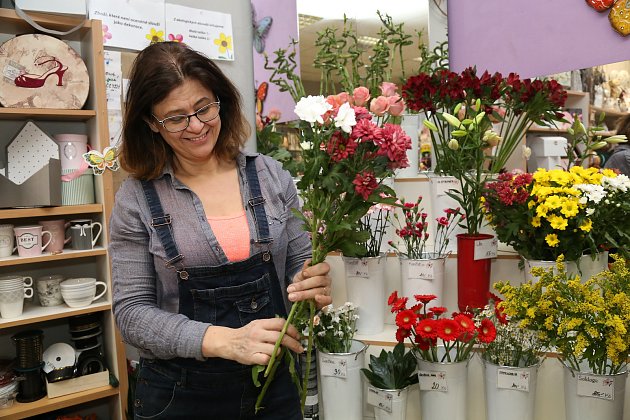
[587, 322]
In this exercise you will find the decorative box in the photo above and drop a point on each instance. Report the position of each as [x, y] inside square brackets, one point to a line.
[81, 383]
[547, 146]
[39, 71]
[28, 152]
[40, 190]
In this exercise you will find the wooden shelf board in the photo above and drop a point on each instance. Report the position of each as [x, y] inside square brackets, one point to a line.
[547, 130]
[502, 255]
[50, 211]
[609, 112]
[576, 93]
[58, 22]
[47, 114]
[44, 405]
[34, 313]
[67, 254]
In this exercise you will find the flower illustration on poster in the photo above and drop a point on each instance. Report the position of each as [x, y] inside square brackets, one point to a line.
[176, 38]
[224, 44]
[106, 34]
[155, 36]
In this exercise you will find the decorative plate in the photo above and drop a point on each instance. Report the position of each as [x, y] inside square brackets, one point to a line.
[39, 71]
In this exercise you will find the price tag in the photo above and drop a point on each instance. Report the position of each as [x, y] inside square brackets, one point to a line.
[432, 381]
[513, 379]
[444, 185]
[357, 268]
[380, 399]
[333, 367]
[421, 269]
[596, 387]
[486, 248]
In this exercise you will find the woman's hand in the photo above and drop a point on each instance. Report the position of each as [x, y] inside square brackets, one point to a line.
[251, 344]
[312, 283]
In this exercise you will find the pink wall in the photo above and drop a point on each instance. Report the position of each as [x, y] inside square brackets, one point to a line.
[531, 37]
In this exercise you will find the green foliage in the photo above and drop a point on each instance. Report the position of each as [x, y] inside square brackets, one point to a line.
[269, 142]
[392, 369]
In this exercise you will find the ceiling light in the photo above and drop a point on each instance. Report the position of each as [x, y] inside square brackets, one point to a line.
[307, 20]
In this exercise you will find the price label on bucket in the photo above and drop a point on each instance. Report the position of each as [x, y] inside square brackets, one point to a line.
[379, 399]
[513, 379]
[421, 269]
[486, 248]
[357, 268]
[432, 381]
[333, 367]
[442, 186]
[596, 387]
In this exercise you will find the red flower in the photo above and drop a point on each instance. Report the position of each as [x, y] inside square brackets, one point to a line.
[340, 148]
[401, 334]
[438, 310]
[406, 319]
[487, 331]
[365, 183]
[424, 344]
[465, 323]
[425, 298]
[498, 310]
[400, 304]
[393, 297]
[447, 329]
[426, 328]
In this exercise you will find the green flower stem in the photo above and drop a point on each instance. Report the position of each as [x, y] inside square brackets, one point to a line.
[272, 373]
[272, 361]
[309, 352]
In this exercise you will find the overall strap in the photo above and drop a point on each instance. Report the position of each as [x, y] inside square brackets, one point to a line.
[257, 202]
[162, 224]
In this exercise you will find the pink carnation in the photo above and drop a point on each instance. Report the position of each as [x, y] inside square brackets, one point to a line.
[394, 144]
[364, 184]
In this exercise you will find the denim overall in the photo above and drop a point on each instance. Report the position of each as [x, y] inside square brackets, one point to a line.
[229, 295]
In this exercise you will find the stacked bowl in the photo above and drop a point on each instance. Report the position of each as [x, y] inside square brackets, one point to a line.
[13, 290]
[80, 292]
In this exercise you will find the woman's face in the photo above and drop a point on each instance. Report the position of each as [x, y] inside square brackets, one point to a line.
[197, 141]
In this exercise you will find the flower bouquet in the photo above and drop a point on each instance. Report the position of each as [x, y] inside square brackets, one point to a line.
[334, 328]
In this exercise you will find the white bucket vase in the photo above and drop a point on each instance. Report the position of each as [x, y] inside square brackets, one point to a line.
[443, 393]
[389, 404]
[424, 276]
[365, 287]
[340, 379]
[570, 266]
[588, 396]
[588, 267]
[410, 124]
[510, 391]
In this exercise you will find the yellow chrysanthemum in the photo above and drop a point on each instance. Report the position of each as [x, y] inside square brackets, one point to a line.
[558, 222]
[569, 207]
[224, 43]
[536, 221]
[587, 225]
[155, 36]
[552, 239]
[553, 202]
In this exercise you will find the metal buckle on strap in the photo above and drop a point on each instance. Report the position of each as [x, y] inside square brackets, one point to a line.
[161, 221]
[174, 260]
[256, 201]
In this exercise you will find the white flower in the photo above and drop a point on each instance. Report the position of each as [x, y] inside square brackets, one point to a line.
[312, 108]
[345, 118]
[306, 145]
[526, 152]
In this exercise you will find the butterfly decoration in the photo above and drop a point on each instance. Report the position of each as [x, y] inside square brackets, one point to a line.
[100, 161]
[261, 29]
[619, 15]
[261, 94]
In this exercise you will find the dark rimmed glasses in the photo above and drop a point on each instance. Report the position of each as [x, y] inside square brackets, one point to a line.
[177, 123]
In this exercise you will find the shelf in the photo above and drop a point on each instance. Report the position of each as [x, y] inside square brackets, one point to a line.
[609, 112]
[34, 313]
[547, 130]
[49, 211]
[24, 410]
[576, 93]
[47, 114]
[67, 254]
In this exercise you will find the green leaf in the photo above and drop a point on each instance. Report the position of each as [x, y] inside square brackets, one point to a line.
[256, 369]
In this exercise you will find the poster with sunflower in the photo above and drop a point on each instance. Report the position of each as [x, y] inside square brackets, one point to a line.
[203, 30]
[129, 24]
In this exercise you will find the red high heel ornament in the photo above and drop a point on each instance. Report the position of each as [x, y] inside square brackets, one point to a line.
[37, 81]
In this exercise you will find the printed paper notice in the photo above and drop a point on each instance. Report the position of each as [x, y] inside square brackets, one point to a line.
[380, 399]
[513, 379]
[596, 386]
[432, 381]
[421, 269]
[131, 24]
[113, 79]
[357, 268]
[203, 30]
[486, 248]
[333, 366]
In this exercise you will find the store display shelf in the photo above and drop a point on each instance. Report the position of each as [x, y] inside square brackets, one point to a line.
[50, 211]
[47, 256]
[44, 405]
[576, 93]
[547, 130]
[609, 112]
[34, 313]
[47, 114]
[501, 254]
[12, 23]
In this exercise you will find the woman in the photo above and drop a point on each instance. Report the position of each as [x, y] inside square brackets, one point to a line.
[205, 250]
[620, 157]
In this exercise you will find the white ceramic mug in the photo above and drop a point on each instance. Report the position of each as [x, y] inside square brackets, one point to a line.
[49, 290]
[12, 301]
[29, 240]
[57, 229]
[81, 291]
[7, 241]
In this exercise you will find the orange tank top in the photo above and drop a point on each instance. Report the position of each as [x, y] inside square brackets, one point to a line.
[232, 233]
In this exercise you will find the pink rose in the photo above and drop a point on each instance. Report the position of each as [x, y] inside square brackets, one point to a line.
[379, 106]
[388, 88]
[396, 105]
[259, 123]
[360, 95]
[274, 114]
[337, 100]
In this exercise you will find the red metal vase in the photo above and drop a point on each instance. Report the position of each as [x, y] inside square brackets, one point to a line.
[473, 276]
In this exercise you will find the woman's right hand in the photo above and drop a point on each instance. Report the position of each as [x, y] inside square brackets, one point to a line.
[249, 345]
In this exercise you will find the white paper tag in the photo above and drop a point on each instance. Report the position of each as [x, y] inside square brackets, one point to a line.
[596, 386]
[379, 399]
[443, 185]
[333, 367]
[357, 268]
[513, 379]
[486, 248]
[432, 381]
[421, 269]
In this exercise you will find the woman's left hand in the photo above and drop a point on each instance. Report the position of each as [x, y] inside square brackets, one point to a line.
[312, 283]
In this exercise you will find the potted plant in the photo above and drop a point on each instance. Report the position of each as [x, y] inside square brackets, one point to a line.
[422, 268]
[390, 374]
[588, 324]
[442, 346]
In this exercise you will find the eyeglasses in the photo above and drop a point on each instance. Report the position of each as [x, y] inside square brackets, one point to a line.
[177, 123]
